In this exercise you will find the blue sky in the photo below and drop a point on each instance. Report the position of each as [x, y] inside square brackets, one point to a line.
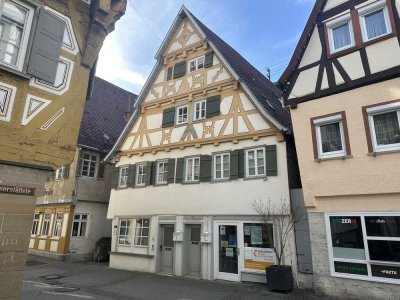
[265, 32]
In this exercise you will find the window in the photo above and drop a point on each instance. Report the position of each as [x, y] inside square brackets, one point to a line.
[141, 175]
[182, 114]
[60, 172]
[255, 162]
[58, 224]
[384, 125]
[35, 225]
[162, 172]
[142, 232]
[330, 136]
[125, 232]
[199, 110]
[80, 225]
[365, 246]
[89, 164]
[340, 34]
[15, 23]
[196, 64]
[221, 166]
[46, 224]
[192, 169]
[374, 20]
[123, 177]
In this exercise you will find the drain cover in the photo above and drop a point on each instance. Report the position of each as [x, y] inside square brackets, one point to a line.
[66, 290]
[53, 276]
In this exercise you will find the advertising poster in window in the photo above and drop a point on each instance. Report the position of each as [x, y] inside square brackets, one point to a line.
[258, 258]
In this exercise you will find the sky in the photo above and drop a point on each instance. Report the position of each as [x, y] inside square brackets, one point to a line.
[265, 32]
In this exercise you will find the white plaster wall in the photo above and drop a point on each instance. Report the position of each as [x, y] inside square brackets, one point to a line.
[353, 65]
[333, 3]
[154, 121]
[160, 77]
[338, 78]
[383, 55]
[305, 83]
[202, 198]
[313, 51]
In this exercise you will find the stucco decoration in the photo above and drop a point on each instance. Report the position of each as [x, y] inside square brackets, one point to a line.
[69, 41]
[33, 106]
[172, 88]
[196, 80]
[185, 36]
[166, 136]
[54, 118]
[7, 96]
[189, 134]
[208, 130]
[63, 78]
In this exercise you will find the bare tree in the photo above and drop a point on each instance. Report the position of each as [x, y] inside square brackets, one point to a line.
[283, 216]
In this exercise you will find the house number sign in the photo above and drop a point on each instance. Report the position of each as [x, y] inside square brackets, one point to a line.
[17, 190]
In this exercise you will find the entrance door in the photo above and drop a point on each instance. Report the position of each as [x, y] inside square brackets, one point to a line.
[193, 251]
[227, 252]
[167, 249]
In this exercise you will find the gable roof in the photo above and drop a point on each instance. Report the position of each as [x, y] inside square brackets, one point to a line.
[104, 116]
[264, 94]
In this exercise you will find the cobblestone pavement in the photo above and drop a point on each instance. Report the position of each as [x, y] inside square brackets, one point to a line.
[50, 279]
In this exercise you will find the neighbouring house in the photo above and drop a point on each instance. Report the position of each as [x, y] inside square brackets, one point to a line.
[48, 51]
[72, 214]
[343, 89]
[208, 139]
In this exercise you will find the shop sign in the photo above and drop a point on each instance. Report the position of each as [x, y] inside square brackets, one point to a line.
[351, 268]
[17, 190]
[385, 271]
[258, 258]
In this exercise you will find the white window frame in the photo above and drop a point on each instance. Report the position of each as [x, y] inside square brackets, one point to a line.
[256, 163]
[191, 161]
[363, 12]
[58, 219]
[143, 174]
[46, 222]
[132, 221]
[377, 110]
[222, 166]
[331, 25]
[367, 260]
[89, 160]
[326, 121]
[177, 113]
[123, 177]
[141, 233]
[164, 172]
[60, 173]
[198, 106]
[80, 221]
[196, 63]
[25, 37]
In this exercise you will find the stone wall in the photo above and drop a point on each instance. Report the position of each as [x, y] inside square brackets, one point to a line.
[335, 287]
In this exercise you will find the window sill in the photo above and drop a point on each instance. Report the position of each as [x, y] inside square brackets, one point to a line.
[55, 238]
[43, 237]
[16, 72]
[79, 237]
[132, 254]
[220, 180]
[333, 158]
[255, 177]
[161, 184]
[191, 182]
[122, 188]
[380, 152]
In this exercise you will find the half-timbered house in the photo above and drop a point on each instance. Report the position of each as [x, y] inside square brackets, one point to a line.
[343, 88]
[207, 140]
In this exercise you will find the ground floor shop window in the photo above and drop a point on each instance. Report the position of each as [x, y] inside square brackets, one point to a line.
[80, 225]
[46, 224]
[35, 225]
[125, 232]
[58, 224]
[137, 230]
[365, 246]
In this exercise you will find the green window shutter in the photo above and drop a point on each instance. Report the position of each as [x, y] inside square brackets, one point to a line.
[205, 168]
[213, 106]
[153, 173]
[271, 160]
[241, 163]
[180, 164]
[131, 176]
[171, 170]
[169, 73]
[180, 69]
[66, 172]
[46, 47]
[208, 60]
[149, 167]
[115, 177]
[168, 117]
[234, 164]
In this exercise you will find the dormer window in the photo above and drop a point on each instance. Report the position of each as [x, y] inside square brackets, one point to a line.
[374, 20]
[340, 33]
[196, 64]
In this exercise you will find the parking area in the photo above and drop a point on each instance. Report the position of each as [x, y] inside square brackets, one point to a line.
[50, 279]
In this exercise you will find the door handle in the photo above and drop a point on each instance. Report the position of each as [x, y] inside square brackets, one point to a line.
[160, 247]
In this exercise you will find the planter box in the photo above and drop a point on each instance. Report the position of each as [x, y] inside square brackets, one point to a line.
[279, 278]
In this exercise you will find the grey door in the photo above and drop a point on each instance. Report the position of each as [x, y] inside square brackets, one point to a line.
[167, 249]
[193, 248]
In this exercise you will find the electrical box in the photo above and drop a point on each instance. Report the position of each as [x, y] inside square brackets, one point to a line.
[206, 238]
[178, 236]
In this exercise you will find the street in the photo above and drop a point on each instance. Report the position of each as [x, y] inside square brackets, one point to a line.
[50, 279]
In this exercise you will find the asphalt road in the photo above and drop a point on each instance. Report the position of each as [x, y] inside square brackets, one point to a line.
[49, 279]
